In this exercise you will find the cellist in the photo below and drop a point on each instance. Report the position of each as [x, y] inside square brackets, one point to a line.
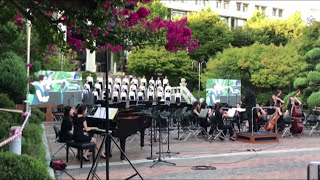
[278, 103]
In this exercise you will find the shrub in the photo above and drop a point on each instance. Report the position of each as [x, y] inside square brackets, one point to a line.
[307, 67]
[6, 102]
[13, 79]
[300, 83]
[318, 67]
[313, 56]
[32, 141]
[314, 99]
[37, 116]
[14, 166]
[85, 75]
[307, 91]
[314, 77]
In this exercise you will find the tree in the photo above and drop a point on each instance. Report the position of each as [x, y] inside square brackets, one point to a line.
[53, 61]
[278, 32]
[13, 79]
[95, 24]
[213, 34]
[310, 39]
[259, 66]
[151, 61]
[157, 10]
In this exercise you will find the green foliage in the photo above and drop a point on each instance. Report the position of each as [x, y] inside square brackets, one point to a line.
[54, 63]
[271, 31]
[300, 83]
[307, 91]
[242, 37]
[257, 66]
[314, 100]
[313, 56]
[153, 60]
[264, 97]
[213, 34]
[31, 138]
[318, 67]
[6, 102]
[11, 39]
[309, 40]
[37, 116]
[314, 77]
[157, 10]
[307, 67]
[85, 75]
[14, 166]
[13, 79]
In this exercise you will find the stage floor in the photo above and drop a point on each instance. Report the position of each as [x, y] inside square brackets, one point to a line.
[258, 137]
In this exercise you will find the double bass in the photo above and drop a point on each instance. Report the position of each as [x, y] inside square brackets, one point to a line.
[296, 119]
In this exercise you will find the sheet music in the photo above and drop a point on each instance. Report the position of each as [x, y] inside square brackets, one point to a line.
[101, 113]
[231, 112]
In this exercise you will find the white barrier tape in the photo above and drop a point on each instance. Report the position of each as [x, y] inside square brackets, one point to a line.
[12, 138]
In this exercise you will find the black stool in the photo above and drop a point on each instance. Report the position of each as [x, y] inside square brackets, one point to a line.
[81, 147]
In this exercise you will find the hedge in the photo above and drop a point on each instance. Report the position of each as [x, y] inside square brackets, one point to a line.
[37, 116]
[300, 83]
[314, 77]
[318, 67]
[314, 100]
[14, 166]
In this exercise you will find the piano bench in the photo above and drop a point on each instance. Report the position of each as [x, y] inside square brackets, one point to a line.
[81, 147]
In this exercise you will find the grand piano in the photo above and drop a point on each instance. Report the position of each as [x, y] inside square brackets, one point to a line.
[125, 123]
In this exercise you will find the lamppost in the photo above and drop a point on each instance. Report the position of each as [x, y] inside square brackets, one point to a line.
[200, 63]
[28, 31]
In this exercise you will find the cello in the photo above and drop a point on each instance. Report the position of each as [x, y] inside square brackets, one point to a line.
[272, 120]
[296, 119]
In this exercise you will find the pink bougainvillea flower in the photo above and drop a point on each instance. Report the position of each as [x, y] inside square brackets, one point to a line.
[18, 20]
[41, 76]
[29, 65]
[116, 48]
[31, 80]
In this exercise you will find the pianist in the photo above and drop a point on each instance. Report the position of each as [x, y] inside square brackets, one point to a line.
[65, 133]
[80, 127]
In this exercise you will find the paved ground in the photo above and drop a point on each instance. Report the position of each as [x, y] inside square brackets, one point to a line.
[287, 159]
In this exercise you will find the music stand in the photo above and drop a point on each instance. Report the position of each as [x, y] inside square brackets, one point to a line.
[160, 160]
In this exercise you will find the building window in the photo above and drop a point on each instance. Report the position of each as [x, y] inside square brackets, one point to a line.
[257, 8]
[218, 4]
[245, 7]
[263, 8]
[197, 2]
[238, 6]
[274, 11]
[226, 5]
[280, 11]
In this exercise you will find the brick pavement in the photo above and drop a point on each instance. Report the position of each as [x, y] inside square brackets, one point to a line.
[286, 160]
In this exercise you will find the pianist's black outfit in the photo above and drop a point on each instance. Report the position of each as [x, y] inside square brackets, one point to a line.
[78, 134]
[66, 127]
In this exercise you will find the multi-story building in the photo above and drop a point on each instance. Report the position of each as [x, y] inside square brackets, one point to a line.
[236, 12]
